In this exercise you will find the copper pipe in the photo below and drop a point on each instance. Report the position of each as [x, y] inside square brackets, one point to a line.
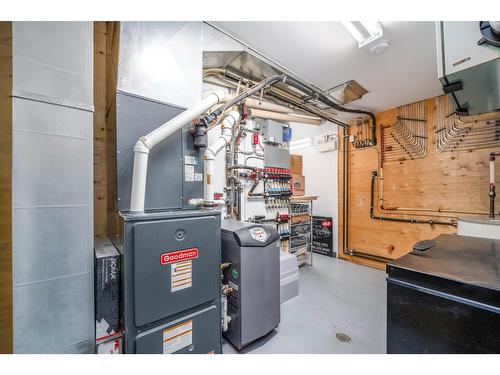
[479, 118]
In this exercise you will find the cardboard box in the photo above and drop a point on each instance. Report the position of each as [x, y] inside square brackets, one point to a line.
[296, 164]
[298, 184]
[107, 291]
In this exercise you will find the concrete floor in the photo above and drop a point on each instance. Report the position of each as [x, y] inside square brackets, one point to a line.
[335, 297]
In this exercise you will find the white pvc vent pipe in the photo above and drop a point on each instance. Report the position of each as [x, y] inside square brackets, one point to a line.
[227, 133]
[147, 142]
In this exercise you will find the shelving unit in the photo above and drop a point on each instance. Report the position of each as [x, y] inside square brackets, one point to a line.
[301, 234]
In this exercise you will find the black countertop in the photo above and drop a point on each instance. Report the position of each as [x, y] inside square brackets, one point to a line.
[469, 266]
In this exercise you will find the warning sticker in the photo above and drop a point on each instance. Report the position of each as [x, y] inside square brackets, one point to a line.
[177, 337]
[181, 275]
[233, 285]
[198, 176]
[189, 172]
[193, 160]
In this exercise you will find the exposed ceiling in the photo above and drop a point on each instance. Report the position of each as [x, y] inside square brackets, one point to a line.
[325, 54]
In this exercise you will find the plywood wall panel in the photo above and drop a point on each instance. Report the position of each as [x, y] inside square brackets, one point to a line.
[113, 32]
[453, 181]
[100, 179]
[5, 188]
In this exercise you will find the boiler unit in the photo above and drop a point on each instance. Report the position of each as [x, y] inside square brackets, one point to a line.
[254, 276]
[171, 282]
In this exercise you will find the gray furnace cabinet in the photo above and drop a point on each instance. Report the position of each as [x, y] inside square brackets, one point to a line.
[171, 282]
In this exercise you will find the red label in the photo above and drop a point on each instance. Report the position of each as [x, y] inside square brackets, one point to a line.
[326, 224]
[178, 256]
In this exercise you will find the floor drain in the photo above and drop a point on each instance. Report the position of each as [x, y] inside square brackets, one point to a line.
[342, 337]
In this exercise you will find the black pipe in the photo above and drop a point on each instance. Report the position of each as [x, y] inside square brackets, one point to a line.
[326, 100]
[345, 194]
[357, 253]
[492, 192]
[309, 90]
[398, 219]
[238, 189]
[230, 75]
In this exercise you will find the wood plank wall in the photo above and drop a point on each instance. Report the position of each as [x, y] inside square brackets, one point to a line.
[100, 174]
[456, 181]
[113, 32]
[105, 75]
[5, 187]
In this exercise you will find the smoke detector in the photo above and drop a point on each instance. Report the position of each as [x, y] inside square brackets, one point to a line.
[379, 47]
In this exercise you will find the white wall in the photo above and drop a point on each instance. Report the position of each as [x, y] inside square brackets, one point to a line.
[320, 171]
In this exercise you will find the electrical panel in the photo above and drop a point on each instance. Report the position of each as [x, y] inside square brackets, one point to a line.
[272, 132]
[277, 157]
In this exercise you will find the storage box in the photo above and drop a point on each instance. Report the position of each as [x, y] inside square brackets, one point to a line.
[289, 277]
[298, 184]
[296, 164]
[112, 346]
[107, 291]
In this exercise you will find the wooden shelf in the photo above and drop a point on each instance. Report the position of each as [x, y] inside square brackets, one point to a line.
[304, 197]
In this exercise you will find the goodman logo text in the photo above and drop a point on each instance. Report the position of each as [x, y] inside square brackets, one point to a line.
[177, 256]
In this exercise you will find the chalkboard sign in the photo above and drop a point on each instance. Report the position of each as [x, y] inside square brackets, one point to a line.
[323, 235]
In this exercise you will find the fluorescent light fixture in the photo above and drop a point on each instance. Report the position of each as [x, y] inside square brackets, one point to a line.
[364, 32]
[300, 144]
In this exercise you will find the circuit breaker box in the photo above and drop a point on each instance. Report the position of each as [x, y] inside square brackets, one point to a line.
[272, 131]
[171, 282]
[254, 275]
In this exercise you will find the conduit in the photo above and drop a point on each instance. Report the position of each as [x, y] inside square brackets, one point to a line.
[286, 96]
[492, 193]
